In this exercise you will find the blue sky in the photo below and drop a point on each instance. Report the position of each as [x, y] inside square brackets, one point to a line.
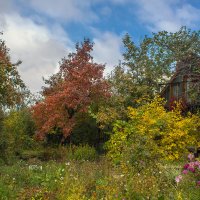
[41, 32]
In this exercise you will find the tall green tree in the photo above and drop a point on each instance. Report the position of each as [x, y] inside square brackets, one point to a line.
[146, 68]
[11, 86]
[155, 58]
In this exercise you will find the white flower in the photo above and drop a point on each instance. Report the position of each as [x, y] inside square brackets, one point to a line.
[67, 163]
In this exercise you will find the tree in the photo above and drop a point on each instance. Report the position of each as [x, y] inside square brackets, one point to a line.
[78, 84]
[146, 68]
[11, 86]
[155, 58]
[16, 133]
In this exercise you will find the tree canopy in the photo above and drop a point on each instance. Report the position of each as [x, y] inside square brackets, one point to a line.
[11, 85]
[78, 84]
[146, 68]
[155, 58]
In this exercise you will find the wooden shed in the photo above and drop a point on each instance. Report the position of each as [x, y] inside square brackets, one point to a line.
[184, 85]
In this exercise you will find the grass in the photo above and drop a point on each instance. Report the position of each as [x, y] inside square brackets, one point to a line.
[91, 180]
[23, 180]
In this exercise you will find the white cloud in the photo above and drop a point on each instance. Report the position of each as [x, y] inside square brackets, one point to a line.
[6, 6]
[167, 15]
[65, 10]
[107, 49]
[39, 48]
[40, 45]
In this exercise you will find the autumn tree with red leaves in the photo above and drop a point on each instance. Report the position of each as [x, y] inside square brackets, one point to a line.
[78, 84]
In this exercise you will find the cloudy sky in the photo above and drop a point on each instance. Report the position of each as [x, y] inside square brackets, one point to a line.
[41, 32]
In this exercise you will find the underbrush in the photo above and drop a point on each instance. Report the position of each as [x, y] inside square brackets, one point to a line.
[91, 180]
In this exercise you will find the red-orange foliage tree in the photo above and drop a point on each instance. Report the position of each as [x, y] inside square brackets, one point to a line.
[78, 84]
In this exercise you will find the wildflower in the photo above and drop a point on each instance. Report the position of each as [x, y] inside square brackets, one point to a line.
[186, 166]
[197, 163]
[185, 171]
[190, 156]
[67, 163]
[191, 169]
[178, 178]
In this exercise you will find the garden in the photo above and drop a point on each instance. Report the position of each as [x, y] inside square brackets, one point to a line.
[87, 136]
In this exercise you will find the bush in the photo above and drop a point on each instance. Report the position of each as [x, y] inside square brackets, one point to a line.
[16, 135]
[151, 131]
[83, 153]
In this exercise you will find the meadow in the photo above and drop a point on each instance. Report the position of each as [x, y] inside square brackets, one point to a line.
[72, 177]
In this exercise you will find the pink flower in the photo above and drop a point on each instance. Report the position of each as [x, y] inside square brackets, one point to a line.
[186, 166]
[191, 169]
[178, 178]
[197, 163]
[190, 156]
[185, 171]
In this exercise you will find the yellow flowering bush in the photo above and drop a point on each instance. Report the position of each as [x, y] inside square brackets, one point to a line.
[161, 132]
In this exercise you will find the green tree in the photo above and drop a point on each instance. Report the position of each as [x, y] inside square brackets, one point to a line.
[146, 68]
[12, 87]
[155, 58]
[17, 133]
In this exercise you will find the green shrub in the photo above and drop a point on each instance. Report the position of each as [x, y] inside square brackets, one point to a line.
[84, 153]
[56, 153]
[85, 131]
[16, 133]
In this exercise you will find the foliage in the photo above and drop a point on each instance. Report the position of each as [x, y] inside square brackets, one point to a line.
[43, 154]
[34, 180]
[17, 131]
[146, 68]
[83, 153]
[191, 170]
[85, 131]
[77, 85]
[122, 89]
[88, 180]
[161, 132]
[102, 181]
[12, 87]
[154, 59]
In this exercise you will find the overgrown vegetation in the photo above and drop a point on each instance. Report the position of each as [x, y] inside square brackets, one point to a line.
[91, 137]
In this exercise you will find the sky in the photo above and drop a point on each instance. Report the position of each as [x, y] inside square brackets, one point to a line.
[41, 32]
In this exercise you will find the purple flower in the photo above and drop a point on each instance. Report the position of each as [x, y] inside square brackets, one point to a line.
[186, 166]
[185, 171]
[178, 178]
[191, 169]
